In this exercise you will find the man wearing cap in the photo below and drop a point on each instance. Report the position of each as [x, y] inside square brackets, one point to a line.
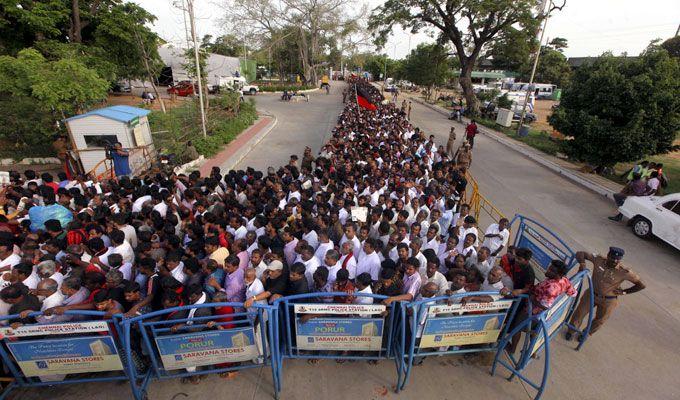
[608, 275]
[275, 285]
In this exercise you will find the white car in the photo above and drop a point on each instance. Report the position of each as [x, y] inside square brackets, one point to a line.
[654, 215]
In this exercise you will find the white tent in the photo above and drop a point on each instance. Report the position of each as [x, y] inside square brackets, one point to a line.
[218, 65]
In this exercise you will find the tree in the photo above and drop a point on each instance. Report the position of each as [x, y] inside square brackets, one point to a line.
[512, 51]
[65, 85]
[469, 25]
[672, 46]
[226, 45]
[319, 26]
[621, 109]
[428, 65]
[552, 67]
[25, 123]
[378, 65]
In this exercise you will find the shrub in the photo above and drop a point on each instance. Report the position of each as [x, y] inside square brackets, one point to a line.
[226, 118]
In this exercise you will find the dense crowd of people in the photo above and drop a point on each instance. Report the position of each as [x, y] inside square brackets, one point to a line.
[378, 210]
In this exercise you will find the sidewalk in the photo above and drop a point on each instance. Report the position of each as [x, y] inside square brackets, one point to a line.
[238, 148]
[592, 182]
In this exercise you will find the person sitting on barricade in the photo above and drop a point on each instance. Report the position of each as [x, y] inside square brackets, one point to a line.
[542, 295]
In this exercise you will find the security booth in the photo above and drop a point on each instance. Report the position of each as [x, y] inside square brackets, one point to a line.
[92, 134]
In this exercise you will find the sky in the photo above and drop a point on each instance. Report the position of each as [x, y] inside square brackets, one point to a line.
[590, 26]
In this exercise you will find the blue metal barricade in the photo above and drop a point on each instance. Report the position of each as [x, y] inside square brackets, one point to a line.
[83, 346]
[186, 341]
[543, 328]
[543, 243]
[451, 325]
[312, 327]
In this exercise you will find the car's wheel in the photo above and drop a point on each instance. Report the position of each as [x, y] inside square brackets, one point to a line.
[253, 91]
[642, 227]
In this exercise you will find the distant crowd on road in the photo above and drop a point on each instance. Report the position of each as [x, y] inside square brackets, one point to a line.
[378, 210]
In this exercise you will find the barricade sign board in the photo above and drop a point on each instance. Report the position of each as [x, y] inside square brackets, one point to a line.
[350, 334]
[66, 356]
[67, 328]
[207, 348]
[468, 328]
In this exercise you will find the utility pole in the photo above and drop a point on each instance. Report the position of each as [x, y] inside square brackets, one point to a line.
[186, 27]
[190, 3]
[533, 69]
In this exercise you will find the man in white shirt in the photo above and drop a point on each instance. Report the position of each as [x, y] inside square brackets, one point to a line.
[253, 287]
[310, 234]
[363, 286]
[7, 257]
[467, 228]
[350, 235]
[347, 260]
[162, 206]
[311, 263]
[370, 261]
[432, 274]
[48, 270]
[236, 228]
[128, 230]
[496, 238]
[24, 273]
[49, 294]
[176, 267]
[414, 249]
[324, 245]
[122, 246]
[332, 264]
[257, 263]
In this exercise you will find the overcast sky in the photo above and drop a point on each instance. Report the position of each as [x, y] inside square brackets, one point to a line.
[590, 26]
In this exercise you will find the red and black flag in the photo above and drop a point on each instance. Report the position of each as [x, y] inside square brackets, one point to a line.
[364, 99]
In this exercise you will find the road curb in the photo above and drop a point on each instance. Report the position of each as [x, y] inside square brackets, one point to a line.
[498, 137]
[243, 150]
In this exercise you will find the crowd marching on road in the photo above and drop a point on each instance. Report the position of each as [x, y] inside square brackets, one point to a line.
[132, 245]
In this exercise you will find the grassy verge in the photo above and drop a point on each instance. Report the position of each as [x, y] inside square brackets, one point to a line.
[671, 168]
[226, 119]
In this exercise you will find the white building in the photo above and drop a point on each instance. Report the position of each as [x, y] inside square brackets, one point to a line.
[91, 132]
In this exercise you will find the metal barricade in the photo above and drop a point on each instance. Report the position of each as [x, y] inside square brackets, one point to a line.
[450, 325]
[185, 341]
[543, 243]
[311, 328]
[543, 327]
[86, 348]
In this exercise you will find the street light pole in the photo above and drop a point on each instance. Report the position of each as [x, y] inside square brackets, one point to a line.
[533, 69]
[190, 3]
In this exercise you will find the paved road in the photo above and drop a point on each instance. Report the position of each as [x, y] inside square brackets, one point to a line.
[635, 356]
[298, 125]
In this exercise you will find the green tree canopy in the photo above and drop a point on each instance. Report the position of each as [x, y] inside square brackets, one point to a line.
[65, 85]
[469, 25]
[428, 65]
[621, 109]
[672, 46]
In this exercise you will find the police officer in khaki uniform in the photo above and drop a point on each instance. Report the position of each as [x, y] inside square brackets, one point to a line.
[608, 275]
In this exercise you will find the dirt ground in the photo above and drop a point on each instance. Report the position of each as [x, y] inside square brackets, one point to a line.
[543, 109]
[136, 101]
